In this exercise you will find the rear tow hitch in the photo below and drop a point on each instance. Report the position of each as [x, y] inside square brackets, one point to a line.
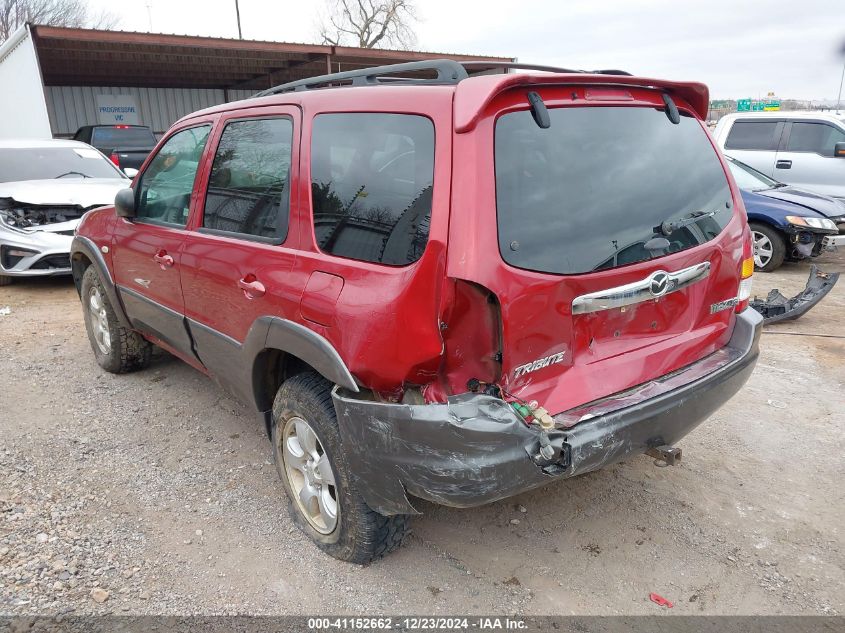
[669, 455]
[776, 307]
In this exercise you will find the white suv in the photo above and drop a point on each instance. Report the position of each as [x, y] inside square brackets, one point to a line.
[805, 149]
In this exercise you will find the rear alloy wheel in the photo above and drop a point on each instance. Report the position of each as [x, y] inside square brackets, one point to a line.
[310, 475]
[768, 247]
[323, 498]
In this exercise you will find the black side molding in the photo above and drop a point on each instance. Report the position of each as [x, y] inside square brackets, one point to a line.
[309, 346]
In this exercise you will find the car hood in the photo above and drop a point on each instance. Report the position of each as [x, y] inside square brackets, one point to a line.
[83, 192]
[759, 206]
[827, 206]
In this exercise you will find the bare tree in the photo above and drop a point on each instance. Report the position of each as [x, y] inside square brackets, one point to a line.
[14, 13]
[369, 23]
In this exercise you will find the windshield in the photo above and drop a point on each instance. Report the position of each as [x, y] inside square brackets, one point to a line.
[47, 163]
[123, 137]
[748, 178]
[591, 190]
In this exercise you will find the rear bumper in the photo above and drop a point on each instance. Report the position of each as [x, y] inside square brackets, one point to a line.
[475, 450]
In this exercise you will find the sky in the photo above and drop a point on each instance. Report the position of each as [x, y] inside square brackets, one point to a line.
[739, 48]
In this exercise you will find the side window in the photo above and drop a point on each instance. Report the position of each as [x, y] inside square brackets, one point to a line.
[814, 137]
[754, 135]
[248, 189]
[371, 185]
[164, 189]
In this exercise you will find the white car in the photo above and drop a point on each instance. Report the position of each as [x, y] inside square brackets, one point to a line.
[45, 188]
[804, 149]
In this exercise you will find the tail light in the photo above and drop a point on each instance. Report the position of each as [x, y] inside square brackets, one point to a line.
[114, 158]
[744, 293]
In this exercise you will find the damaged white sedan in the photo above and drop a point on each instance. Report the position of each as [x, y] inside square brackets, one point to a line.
[45, 188]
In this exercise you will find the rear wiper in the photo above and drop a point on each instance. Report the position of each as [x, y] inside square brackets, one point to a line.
[71, 173]
[666, 228]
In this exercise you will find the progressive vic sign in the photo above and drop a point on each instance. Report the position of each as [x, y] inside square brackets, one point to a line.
[112, 109]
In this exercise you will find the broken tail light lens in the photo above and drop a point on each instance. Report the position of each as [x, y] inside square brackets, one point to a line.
[745, 278]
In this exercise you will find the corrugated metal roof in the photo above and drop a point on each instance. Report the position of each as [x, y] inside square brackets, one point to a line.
[87, 57]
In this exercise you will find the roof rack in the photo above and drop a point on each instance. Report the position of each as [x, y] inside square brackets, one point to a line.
[551, 69]
[449, 72]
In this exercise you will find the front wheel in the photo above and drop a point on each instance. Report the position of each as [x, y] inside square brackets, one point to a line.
[768, 246]
[117, 349]
[322, 497]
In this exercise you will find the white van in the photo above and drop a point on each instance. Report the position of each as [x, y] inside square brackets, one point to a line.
[805, 149]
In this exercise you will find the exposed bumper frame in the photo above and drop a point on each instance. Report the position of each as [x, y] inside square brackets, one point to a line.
[474, 449]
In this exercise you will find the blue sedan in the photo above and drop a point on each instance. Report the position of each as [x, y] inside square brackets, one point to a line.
[786, 222]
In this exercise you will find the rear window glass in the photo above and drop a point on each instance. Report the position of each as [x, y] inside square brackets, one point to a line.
[371, 185]
[589, 192]
[760, 135]
[122, 137]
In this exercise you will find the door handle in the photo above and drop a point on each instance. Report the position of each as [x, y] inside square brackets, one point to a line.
[783, 164]
[163, 259]
[252, 287]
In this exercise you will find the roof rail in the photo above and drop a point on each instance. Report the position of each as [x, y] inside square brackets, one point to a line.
[449, 72]
[551, 69]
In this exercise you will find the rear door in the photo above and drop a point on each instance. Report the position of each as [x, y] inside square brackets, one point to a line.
[146, 251]
[754, 141]
[613, 238]
[236, 261]
[806, 157]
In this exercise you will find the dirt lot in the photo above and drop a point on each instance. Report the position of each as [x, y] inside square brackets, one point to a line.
[159, 489]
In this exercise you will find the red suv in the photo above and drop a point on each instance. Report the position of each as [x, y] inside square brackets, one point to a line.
[436, 285]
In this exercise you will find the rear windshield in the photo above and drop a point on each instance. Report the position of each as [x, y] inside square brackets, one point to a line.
[120, 137]
[45, 163]
[590, 191]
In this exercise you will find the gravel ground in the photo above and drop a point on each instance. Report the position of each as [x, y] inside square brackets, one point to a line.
[155, 493]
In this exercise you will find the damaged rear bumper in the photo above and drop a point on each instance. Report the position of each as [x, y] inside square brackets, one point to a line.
[776, 307]
[474, 449]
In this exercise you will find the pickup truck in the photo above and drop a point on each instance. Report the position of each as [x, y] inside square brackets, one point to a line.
[127, 146]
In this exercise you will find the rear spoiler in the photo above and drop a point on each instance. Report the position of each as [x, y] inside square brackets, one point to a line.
[472, 95]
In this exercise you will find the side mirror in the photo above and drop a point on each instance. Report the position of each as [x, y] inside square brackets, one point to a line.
[124, 203]
[839, 150]
[131, 172]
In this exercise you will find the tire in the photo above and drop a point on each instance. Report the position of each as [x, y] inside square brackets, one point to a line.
[764, 235]
[5, 280]
[358, 534]
[117, 349]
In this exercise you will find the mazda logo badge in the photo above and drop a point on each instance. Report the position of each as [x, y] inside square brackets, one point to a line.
[659, 283]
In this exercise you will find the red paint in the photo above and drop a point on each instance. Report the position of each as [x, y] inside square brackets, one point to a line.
[320, 297]
[441, 320]
[660, 600]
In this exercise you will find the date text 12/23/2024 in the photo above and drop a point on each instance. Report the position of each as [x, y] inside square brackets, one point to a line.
[417, 623]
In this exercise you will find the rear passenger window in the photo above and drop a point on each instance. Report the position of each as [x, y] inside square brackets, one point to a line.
[814, 137]
[754, 135]
[371, 185]
[248, 190]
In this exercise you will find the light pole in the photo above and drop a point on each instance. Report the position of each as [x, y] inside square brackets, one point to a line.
[839, 98]
[238, 15]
